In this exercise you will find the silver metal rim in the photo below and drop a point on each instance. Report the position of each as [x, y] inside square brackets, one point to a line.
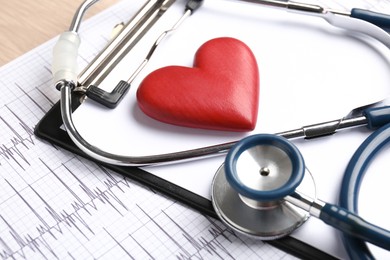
[270, 221]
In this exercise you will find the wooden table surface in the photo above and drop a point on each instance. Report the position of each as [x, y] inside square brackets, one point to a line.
[25, 24]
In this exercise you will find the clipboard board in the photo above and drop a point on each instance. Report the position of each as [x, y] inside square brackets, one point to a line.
[50, 129]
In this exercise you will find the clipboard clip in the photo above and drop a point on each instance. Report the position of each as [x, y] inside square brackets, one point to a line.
[105, 62]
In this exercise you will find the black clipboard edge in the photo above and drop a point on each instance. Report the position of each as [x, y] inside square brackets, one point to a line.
[49, 129]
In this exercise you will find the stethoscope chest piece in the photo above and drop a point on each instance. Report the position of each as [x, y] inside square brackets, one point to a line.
[248, 190]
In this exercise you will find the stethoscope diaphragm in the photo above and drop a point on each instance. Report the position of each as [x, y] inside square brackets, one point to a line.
[248, 190]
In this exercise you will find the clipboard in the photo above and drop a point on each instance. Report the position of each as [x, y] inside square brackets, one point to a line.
[50, 129]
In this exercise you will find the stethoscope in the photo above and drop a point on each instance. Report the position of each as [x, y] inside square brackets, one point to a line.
[256, 192]
[272, 197]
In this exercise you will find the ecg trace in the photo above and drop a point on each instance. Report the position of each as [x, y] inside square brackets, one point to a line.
[13, 149]
[85, 203]
[72, 218]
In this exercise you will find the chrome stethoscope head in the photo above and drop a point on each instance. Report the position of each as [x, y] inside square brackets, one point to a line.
[249, 190]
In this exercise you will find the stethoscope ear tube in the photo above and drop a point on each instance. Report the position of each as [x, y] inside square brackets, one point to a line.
[379, 19]
[352, 180]
[377, 116]
[350, 223]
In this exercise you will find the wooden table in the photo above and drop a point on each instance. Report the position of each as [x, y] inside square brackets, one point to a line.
[25, 24]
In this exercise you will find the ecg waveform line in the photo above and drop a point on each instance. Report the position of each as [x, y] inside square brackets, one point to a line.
[12, 149]
[213, 243]
[36, 103]
[202, 244]
[40, 243]
[62, 218]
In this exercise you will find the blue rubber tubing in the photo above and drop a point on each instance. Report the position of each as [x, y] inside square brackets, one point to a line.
[349, 193]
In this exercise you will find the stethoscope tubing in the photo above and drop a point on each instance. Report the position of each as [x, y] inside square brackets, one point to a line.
[351, 183]
[353, 225]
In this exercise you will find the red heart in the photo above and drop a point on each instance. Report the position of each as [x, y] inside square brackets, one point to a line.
[220, 92]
